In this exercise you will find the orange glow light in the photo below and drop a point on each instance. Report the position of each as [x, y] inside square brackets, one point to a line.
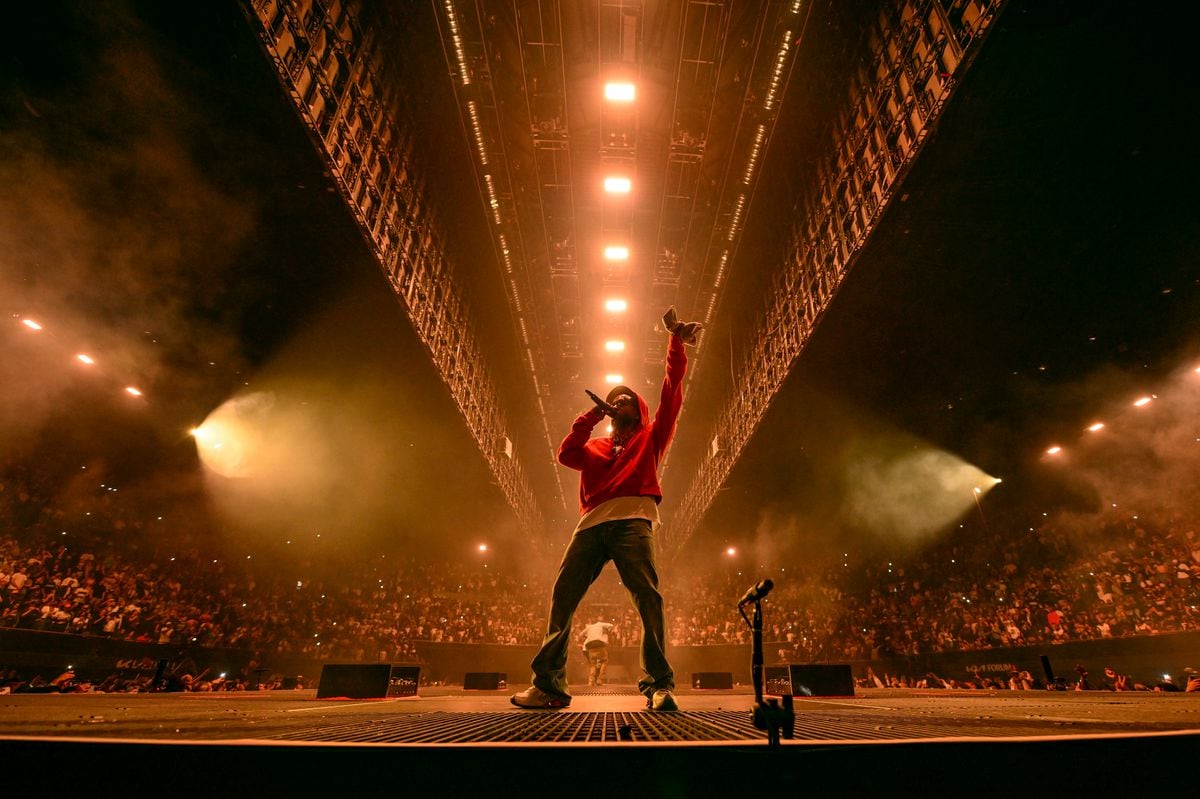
[620, 92]
[616, 306]
[618, 185]
[616, 253]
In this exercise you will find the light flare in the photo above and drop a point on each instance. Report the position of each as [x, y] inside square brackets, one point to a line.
[619, 92]
[615, 185]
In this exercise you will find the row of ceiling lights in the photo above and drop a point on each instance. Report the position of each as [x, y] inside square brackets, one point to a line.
[1096, 427]
[617, 93]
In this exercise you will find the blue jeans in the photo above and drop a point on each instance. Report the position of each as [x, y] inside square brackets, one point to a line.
[630, 545]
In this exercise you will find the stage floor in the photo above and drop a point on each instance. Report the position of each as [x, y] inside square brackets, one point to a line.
[612, 716]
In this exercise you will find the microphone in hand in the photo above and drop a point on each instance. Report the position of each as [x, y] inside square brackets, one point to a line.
[604, 407]
[757, 592]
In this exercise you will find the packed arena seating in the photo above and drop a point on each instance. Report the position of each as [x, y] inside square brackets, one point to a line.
[1125, 576]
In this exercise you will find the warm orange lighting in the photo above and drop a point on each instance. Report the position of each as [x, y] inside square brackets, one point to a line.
[1143, 402]
[1054, 450]
[483, 547]
[1095, 427]
[614, 346]
[616, 306]
[616, 253]
[32, 325]
[731, 552]
[620, 92]
[612, 380]
[133, 392]
[85, 359]
[617, 185]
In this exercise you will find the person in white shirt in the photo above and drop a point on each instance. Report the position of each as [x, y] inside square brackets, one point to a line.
[595, 645]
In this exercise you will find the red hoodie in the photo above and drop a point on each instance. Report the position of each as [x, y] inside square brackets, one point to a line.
[633, 472]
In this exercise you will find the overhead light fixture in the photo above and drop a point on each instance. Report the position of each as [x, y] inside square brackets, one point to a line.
[614, 346]
[1092, 428]
[32, 325]
[618, 92]
[616, 253]
[617, 185]
[1143, 402]
[616, 306]
[133, 392]
[85, 359]
[612, 380]
[1054, 450]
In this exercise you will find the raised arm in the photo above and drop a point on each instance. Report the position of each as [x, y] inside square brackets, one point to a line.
[671, 399]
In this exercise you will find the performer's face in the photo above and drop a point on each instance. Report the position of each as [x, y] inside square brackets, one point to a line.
[627, 410]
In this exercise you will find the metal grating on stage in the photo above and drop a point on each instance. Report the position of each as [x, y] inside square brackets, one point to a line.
[543, 727]
[614, 727]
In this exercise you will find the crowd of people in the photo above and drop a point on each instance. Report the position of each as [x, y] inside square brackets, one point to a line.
[1126, 577]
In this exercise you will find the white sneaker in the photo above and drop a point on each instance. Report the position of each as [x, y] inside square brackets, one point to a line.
[536, 698]
[662, 699]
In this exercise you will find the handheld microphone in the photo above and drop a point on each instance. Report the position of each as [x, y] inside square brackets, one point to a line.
[601, 404]
[757, 592]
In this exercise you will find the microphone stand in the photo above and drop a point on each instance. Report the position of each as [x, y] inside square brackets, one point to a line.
[767, 715]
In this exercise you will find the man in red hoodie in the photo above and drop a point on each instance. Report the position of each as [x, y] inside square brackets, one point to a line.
[618, 500]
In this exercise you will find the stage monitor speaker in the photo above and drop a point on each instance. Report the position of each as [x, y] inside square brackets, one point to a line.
[367, 680]
[485, 681]
[809, 680]
[712, 680]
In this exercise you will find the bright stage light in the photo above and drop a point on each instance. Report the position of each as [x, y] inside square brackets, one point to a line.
[615, 306]
[85, 359]
[612, 380]
[1143, 402]
[1092, 428]
[133, 392]
[483, 547]
[618, 185]
[32, 325]
[616, 253]
[614, 346]
[1054, 450]
[620, 92]
[731, 552]
[232, 443]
